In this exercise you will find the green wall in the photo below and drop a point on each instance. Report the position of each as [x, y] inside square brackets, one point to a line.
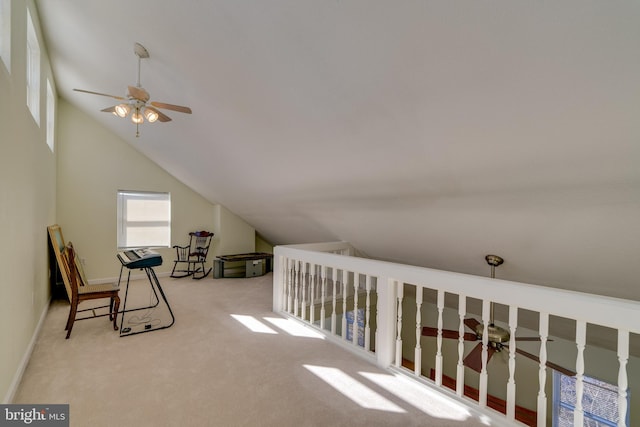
[87, 195]
[74, 186]
[27, 204]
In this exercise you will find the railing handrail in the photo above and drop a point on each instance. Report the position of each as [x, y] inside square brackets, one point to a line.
[602, 310]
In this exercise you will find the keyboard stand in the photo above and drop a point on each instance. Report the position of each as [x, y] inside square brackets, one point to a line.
[142, 327]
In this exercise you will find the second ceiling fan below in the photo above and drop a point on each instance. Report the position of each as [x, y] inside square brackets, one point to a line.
[497, 336]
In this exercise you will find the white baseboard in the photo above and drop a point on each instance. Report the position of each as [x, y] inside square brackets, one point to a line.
[13, 388]
[17, 378]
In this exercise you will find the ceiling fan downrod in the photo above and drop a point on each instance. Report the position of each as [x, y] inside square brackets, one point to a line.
[493, 261]
[142, 53]
[497, 335]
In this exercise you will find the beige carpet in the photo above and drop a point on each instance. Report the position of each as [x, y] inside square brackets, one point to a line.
[209, 369]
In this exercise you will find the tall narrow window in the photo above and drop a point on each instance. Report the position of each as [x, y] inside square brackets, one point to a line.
[33, 70]
[144, 219]
[51, 116]
[5, 33]
[599, 402]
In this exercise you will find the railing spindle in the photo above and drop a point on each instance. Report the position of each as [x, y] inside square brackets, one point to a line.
[511, 384]
[312, 290]
[334, 276]
[581, 338]
[440, 306]
[367, 328]
[400, 293]
[284, 277]
[542, 371]
[417, 360]
[355, 329]
[296, 282]
[484, 379]
[345, 280]
[323, 295]
[303, 284]
[462, 312]
[289, 276]
[623, 357]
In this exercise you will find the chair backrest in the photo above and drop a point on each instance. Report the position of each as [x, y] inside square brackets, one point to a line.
[59, 248]
[199, 242]
[70, 267]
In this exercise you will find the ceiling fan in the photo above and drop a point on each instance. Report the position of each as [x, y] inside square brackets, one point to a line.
[137, 100]
[497, 336]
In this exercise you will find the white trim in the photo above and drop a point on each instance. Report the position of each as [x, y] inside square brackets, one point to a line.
[51, 116]
[5, 33]
[124, 220]
[606, 311]
[33, 69]
[17, 377]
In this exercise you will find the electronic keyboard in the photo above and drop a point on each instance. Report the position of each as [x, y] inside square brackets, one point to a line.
[140, 258]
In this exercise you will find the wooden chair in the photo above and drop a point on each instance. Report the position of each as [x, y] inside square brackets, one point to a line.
[194, 255]
[79, 290]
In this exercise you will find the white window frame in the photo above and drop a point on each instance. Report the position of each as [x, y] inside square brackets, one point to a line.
[51, 116]
[33, 70]
[558, 403]
[124, 224]
[5, 33]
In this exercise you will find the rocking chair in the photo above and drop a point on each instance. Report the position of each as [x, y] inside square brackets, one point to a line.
[194, 255]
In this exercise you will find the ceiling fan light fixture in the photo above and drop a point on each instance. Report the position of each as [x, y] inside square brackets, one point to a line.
[150, 115]
[137, 117]
[122, 110]
[137, 98]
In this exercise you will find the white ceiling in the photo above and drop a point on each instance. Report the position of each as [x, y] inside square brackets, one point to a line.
[426, 132]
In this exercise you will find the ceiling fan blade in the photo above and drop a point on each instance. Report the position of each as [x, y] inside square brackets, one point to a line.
[447, 333]
[474, 358]
[471, 323]
[138, 93]
[161, 116]
[529, 339]
[549, 364]
[178, 108]
[109, 110]
[101, 94]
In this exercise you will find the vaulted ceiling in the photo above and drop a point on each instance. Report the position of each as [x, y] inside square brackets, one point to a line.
[426, 132]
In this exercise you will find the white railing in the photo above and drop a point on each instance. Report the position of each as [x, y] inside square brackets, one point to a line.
[379, 309]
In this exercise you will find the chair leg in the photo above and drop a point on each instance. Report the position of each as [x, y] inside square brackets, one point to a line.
[187, 271]
[72, 317]
[204, 273]
[194, 269]
[175, 263]
[116, 303]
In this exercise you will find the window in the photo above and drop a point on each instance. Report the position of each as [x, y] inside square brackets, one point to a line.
[33, 70]
[599, 402]
[5, 33]
[144, 219]
[51, 118]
